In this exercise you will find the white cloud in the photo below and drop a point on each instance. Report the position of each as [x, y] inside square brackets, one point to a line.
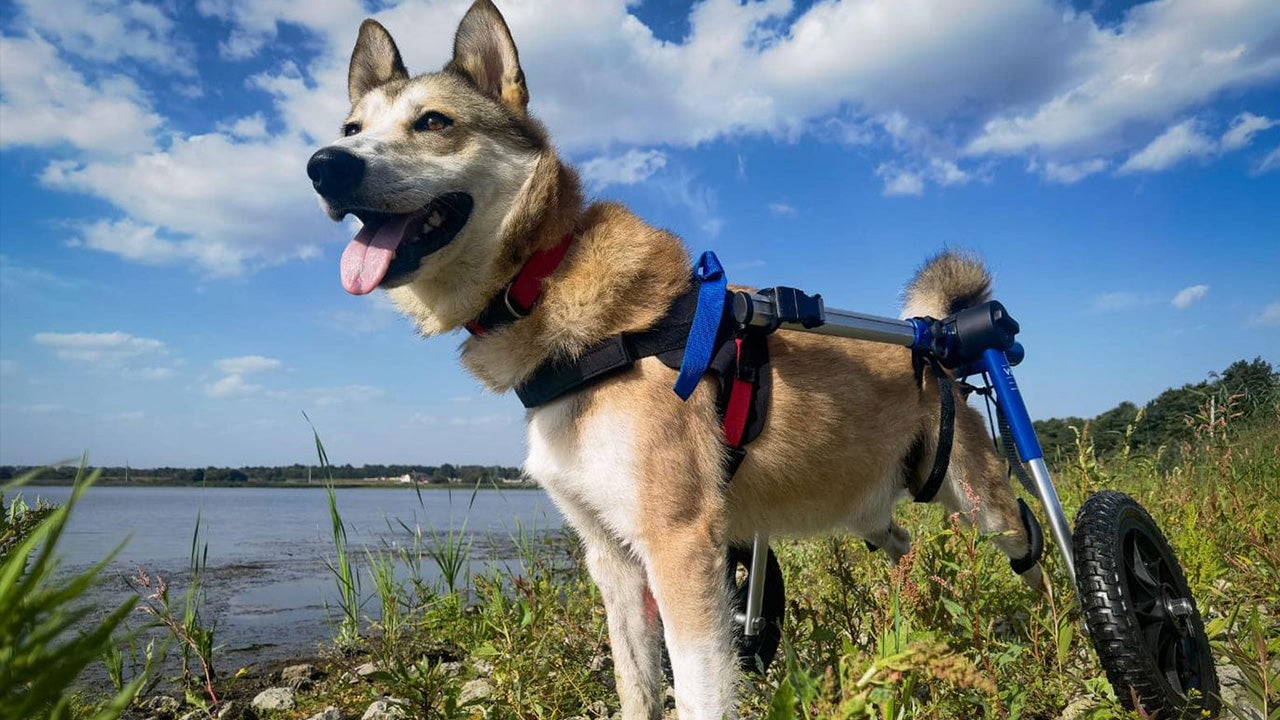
[1243, 128]
[682, 190]
[601, 79]
[325, 396]
[118, 353]
[946, 172]
[143, 244]
[1179, 143]
[44, 102]
[18, 278]
[255, 22]
[235, 199]
[1270, 316]
[250, 127]
[95, 347]
[1164, 58]
[221, 204]
[900, 182]
[1269, 163]
[248, 364]
[8, 368]
[1068, 173]
[110, 30]
[782, 210]
[632, 167]
[1189, 295]
[151, 373]
[232, 386]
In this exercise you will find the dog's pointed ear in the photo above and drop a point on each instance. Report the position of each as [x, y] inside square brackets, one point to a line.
[484, 52]
[375, 61]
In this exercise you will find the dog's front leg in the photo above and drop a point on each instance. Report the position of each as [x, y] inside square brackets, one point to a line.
[634, 630]
[687, 573]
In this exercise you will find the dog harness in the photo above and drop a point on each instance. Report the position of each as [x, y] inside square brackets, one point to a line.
[694, 337]
[698, 335]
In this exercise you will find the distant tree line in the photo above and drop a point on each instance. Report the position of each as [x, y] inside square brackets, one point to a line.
[257, 474]
[1250, 391]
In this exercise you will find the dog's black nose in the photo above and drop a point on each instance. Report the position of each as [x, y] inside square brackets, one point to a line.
[335, 172]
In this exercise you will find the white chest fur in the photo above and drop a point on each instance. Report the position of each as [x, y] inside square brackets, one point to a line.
[586, 464]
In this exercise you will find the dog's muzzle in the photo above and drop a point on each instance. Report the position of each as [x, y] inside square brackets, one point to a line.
[334, 172]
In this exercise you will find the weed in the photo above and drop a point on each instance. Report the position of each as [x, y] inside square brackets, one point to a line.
[40, 654]
[185, 623]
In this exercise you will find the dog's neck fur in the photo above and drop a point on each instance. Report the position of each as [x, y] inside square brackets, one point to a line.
[620, 275]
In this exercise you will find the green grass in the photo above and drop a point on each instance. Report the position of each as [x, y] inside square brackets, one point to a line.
[949, 633]
[45, 641]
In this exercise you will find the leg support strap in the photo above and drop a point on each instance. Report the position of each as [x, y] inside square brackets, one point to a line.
[1035, 537]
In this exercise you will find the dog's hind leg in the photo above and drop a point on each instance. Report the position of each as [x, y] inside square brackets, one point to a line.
[894, 540]
[978, 488]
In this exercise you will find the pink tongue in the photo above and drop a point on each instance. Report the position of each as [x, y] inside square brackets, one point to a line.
[366, 259]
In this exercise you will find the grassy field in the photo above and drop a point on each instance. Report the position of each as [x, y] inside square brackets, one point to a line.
[949, 633]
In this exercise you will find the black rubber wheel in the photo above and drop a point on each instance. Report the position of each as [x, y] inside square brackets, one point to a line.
[756, 653]
[1141, 617]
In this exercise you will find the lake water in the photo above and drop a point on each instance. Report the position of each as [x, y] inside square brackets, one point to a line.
[267, 581]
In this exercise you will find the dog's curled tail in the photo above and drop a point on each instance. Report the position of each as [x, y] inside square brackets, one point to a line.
[947, 283]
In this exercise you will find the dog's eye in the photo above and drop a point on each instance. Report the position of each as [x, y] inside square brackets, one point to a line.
[350, 129]
[432, 122]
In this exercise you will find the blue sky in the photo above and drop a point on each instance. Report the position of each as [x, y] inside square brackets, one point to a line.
[169, 289]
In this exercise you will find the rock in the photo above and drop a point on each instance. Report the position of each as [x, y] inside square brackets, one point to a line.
[451, 669]
[601, 662]
[385, 709]
[330, 713]
[366, 669]
[475, 691]
[161, 707]
[483, 667]
[233, 710]
[195, 715]
[598, 709]
[1077, 708]
[1235, 693]
[300, 677]
[280, 698]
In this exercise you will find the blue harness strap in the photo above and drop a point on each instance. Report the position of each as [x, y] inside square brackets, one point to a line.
[706, 321]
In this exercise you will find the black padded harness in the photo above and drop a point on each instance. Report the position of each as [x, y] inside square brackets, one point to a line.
[741, 354]
[666, 340]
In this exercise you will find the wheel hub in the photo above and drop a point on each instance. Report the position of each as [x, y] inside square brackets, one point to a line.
[1163, 614]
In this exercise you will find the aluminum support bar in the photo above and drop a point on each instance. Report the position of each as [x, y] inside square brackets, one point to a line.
[753, 623]
[840, 323]
[1057, 516]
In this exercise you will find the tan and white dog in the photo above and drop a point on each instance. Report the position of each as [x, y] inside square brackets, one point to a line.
[457, 187]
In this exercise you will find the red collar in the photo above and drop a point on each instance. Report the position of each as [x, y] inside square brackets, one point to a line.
[521, 294]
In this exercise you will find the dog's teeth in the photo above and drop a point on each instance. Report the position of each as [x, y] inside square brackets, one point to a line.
[435, 219]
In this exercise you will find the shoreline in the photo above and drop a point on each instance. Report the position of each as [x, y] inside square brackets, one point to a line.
[251, 485]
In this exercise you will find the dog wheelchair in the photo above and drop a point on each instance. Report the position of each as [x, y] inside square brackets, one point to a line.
[1137, 608]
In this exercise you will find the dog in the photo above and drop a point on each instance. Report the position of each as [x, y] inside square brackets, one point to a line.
[458, 187]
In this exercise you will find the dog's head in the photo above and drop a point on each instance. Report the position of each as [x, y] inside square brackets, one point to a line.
[445, 170]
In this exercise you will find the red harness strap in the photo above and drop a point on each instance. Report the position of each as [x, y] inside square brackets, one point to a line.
[521, 294]
[735, 413]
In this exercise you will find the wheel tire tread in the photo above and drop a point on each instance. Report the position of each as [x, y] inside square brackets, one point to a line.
[1097, 568]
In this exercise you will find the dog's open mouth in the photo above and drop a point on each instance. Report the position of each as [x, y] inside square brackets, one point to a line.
[390, 247]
